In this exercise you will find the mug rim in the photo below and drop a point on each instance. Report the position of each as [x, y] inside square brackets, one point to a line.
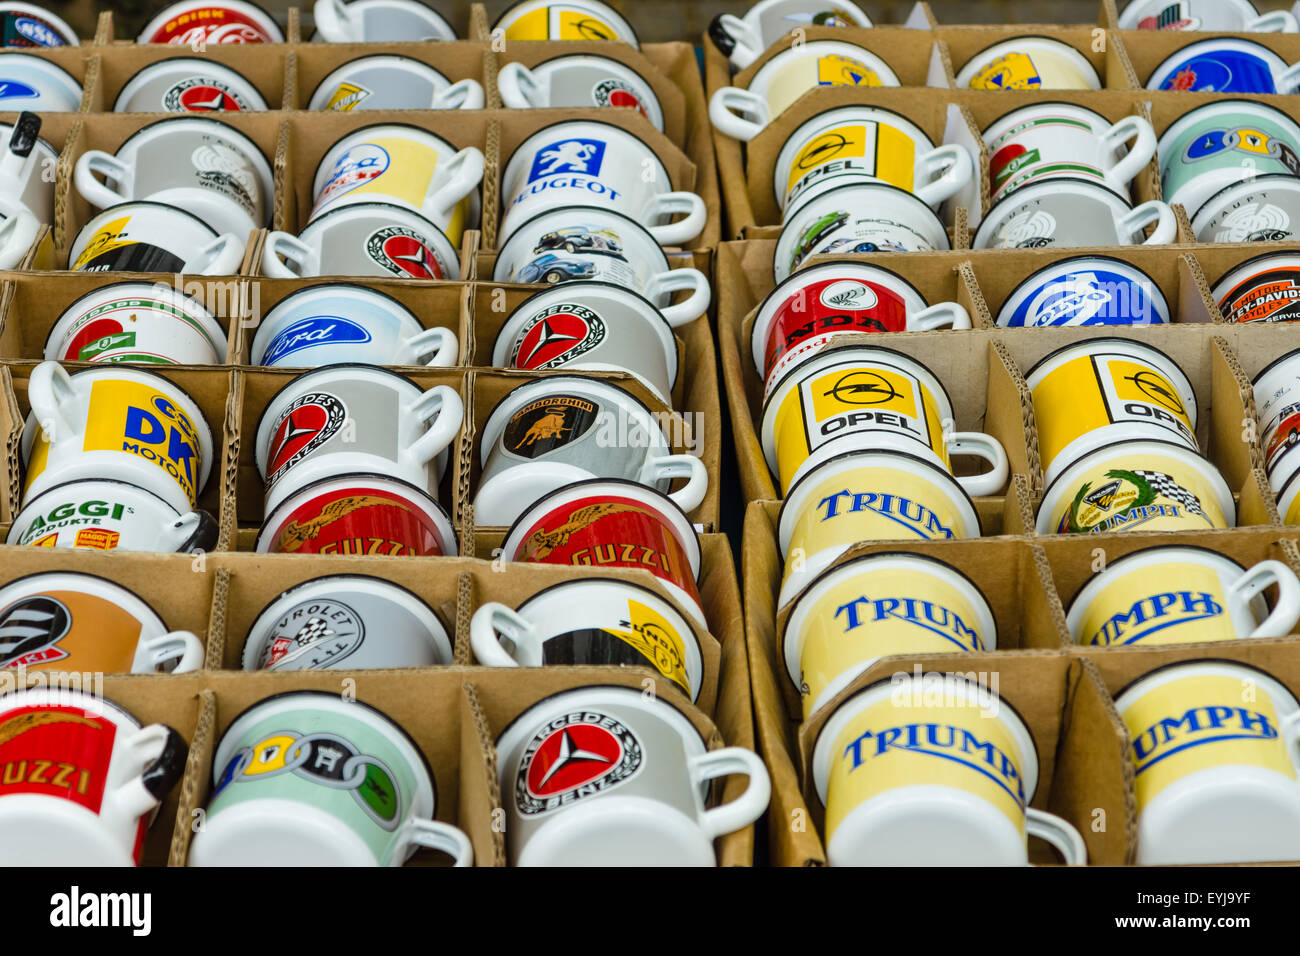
[789, 53]
[350, 284]
[100, 579]
[213, 67]
[583, 56]
[186, 6]
[1137, 4]
[1078, 594]
[1234, 101]
[433, 508]
[187, 303]
[1293, 354]
[1078, 57]
[1257, 182]
[574, 211]
[1280, 254]
[1178, 57]
[1195, 662]
[1092, 257]
[621, 20]
[984, 133]
[372, 579]
[406, 59]
[45, 64]
[356, 206]
[583, 381]
[505, 169]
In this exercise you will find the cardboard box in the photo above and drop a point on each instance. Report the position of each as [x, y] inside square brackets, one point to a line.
[262, 65]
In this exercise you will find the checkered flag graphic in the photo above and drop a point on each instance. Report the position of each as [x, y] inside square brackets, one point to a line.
[1168, 488]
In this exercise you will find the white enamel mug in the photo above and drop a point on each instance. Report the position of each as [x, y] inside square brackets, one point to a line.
[138, 322]
[743, 39]
[577, 81]
[30, 83]
[1220, 16]
[154, 237]
[188, 84]
[393, 82]
[378, 21]
[1072, 212]
[27, 166]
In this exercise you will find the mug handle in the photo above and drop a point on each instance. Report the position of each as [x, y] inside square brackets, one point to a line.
[941, 315]
[181, 648]
[941, 172]
[52, 399]
[689, 496]
[219, 257]
[17, 232]
[747, 807]
[433, 348]
[1289, 81]
[92, 190]
[464, 95]
[333, 22]
[1140, 150]
[1278, 21]
[1059, 833]
[677, 280]
[155, 759]
[442, 410]
[285, 256]
[746, 43]
[464, 173]
[522, 89]
[1287, 609]
[1135, 220]
[444, 838]
[196, 531]
[669, 204]
[492, 620]
[979, 445]
[738, 113]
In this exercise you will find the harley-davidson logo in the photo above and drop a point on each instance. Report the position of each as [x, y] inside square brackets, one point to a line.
[573, 757]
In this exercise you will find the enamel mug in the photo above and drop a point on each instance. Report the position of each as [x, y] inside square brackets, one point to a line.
[1182, 595]
[355, 419]
[1225, 65]
[581, 163]
[358, 515]
[874, 606]
[100, 514]
[1286, 500]
[578, 81]
[367, 239]
[1101, 390]
[29, 25]
[306, 778]
[26, 187]
[591, 326]
[392, 82]
[863, 217]
[137, 322]
[1028, 63]
[1262, 289]
[69, 621]
[932, 771]
[567, 20]
[590, 623]
[1141, 486]
[1072, 212]
[86, 778]
[1051, 140]
[609, 776]
[612, 523]
[115, 422]
[406, 166]
[742, 40]
[565, 245]
[1088, 291]
[855, 397]
[1277, 402]
[154, 237]
[188, 84]
[338, 323]
[1218, 16]
[867, 496]
[346, 622]
[378, 21]
[566, 428]
[195, 23]
[1213, 746]
[813, 306]
[31, 83]
[198, 164]
[743, 112]
[1225, 142]
[1264, 209]
[866, 144]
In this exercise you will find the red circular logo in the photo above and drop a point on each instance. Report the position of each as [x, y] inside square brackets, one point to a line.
[558, 335]
[572, 757]
[204, 98]
[412, 257]
[90, 332]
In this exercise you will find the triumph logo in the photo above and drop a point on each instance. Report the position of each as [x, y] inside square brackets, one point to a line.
[573, 757]
[1197, 727]
[1156, 613]
[917, 612]
[915, 517]
[30, 631]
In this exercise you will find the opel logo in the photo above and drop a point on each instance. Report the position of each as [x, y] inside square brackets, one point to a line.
[863, 388]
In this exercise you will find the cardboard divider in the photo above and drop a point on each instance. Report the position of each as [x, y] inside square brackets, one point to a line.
[262, 65]
[695, 394]
[215, 390]
[34, 306]
[108, 131]
[11, 435]
[1102, 48]
[313, 62]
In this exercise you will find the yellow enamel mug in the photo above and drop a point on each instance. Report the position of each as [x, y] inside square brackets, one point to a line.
[1137, 486]
[847, 397]
[867, 496]
[1214, 747]
[1099, 391]
[874, 606]
[932, 770]
[1182, 595]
